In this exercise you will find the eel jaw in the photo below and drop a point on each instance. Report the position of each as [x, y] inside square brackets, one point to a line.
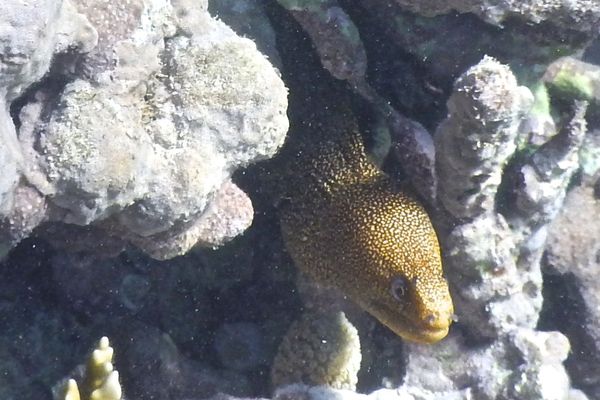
[425, 331]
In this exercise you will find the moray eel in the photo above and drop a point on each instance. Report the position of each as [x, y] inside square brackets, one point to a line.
[344, 222]
[346, 225]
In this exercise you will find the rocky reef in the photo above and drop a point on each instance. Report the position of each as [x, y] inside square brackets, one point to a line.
[131, 137]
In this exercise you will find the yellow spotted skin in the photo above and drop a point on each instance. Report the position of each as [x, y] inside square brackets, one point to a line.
[347, 226]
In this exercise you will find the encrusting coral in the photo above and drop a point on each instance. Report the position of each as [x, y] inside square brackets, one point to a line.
[319, 349]
[100, 380]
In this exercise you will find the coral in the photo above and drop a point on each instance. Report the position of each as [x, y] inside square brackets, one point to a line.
[493, 257]
[32, 33]
[115, 23]
[143, 141]
[319, 349]
[101, 380]
[432, 372]
[478, 137]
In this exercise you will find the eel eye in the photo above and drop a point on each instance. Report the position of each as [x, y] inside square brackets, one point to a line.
[399, 288]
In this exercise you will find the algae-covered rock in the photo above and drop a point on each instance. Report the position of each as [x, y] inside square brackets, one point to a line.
[494, 254]
[569, 78]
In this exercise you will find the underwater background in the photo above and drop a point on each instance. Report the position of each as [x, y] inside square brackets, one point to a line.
[152, 150]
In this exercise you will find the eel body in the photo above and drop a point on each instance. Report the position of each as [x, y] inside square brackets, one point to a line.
[346, 225]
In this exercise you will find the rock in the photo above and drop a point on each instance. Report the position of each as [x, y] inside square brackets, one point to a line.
[574, 79]
[32, 33]
[143, 140]
[581, 14]
[335, 36]
[478, 137]
[524, 364]
[28, 211]
[10, 164]
[240, 346]
[299, 391]
[572, 251]
[248, 18]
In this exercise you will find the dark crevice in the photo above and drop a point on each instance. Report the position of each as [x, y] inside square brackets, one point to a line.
[564, 310]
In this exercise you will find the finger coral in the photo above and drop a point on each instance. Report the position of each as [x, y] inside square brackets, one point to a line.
[100, 380]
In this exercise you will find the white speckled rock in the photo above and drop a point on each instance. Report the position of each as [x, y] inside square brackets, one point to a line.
[31, 33]
[10, 160]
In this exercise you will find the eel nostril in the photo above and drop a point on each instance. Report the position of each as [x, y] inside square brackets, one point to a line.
[437, 320]
[430, 319]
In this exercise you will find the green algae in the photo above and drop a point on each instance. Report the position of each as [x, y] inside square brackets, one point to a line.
[574, 85]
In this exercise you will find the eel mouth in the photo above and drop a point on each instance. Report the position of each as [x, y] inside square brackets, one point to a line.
[427, 330]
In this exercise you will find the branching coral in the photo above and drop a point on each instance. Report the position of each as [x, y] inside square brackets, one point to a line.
[100, 381]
